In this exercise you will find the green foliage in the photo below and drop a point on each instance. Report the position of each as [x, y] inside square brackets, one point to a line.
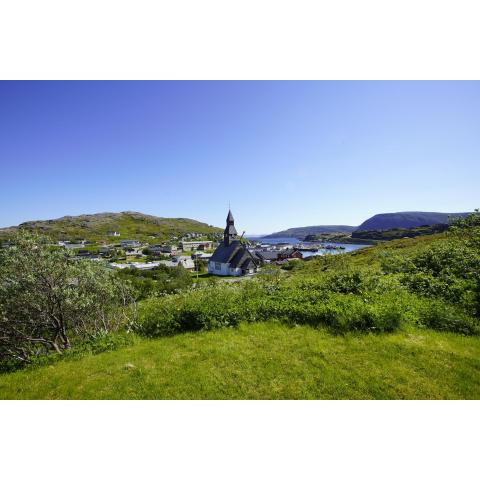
[470, 221]
[444, 317]
[397, 233]
[49, 300]
[227, 306]
[448, 270]
[158, 281]
[203, 309]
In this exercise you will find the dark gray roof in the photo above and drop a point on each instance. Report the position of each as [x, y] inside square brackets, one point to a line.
[236, 254]
[267, 255]
[288, 251]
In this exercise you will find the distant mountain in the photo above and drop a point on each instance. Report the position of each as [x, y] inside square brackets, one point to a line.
[130, 225]
[301, 232]
[387, 221]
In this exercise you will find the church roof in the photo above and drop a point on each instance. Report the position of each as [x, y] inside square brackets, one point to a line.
[236, 254]
[229, 216]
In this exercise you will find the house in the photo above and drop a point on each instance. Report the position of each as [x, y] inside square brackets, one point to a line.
[73, 246]
[201, 255]
[168, 249]
[113, 234]
[290, 253]
[267, 256]
[199, 245]
[231, 258]
[185, 262]
[159, 249]
[129, 243]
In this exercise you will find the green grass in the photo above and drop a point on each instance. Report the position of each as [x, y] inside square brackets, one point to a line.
[265, 361]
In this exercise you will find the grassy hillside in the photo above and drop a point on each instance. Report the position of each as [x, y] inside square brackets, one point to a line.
[397, 233]
[396, 320]
[131, 225]
[265, 361]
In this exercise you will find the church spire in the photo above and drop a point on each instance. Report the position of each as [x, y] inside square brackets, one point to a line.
[230, 232]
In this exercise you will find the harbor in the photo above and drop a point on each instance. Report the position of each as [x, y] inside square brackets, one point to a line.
[268, 247]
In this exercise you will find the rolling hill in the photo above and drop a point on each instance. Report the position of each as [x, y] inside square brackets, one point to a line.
[375, 224]
[95, 227]
[387, 221]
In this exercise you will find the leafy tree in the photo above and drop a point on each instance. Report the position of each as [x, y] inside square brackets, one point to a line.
[49, 300]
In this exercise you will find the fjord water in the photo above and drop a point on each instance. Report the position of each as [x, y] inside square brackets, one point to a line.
[348, 247]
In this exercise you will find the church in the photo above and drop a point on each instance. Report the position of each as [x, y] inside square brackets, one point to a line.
[231, 258]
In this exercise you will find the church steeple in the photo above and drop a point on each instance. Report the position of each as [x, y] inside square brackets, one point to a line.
[230, 232]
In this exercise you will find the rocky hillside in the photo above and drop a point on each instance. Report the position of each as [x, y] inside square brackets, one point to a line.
[130, 225]
[387, 221]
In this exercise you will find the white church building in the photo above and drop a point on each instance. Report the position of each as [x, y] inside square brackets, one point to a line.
[231, 258]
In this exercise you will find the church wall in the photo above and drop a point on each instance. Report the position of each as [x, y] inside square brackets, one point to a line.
[225, 270]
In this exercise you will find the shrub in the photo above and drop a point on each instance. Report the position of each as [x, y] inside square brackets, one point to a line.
[438, 315]
[49, 300]
[203, 309]
[223, 306]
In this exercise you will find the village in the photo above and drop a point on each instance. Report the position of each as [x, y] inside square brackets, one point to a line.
[220, 255]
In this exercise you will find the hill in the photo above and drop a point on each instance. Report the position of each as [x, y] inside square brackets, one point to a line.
[95, 227]
[397, 233]
[301, 232]
[387, 221]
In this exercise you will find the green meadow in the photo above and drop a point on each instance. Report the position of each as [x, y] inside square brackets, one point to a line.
[265, 361]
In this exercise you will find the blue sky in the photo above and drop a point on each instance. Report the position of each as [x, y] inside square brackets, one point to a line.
[284, 154]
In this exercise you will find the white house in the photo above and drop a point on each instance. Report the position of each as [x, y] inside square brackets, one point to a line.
[185, 262]
[231, 258]
[200, 245]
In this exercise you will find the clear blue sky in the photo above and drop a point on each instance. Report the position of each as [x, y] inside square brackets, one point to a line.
[284, 154]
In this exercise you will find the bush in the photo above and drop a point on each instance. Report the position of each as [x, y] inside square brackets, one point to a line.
[447, 270]
[158, 281]
[440, 316]
[227, 306]
[338, 312]
[203, 309]
[50, 301]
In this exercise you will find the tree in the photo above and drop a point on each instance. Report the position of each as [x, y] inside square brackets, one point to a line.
[48, 299]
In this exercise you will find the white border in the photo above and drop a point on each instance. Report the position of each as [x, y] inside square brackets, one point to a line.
[240, 440]
[248, 39]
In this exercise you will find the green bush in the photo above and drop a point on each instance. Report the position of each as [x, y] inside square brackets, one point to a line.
[438, 315]
[203, 309]
[338, 312]
[227, 306]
